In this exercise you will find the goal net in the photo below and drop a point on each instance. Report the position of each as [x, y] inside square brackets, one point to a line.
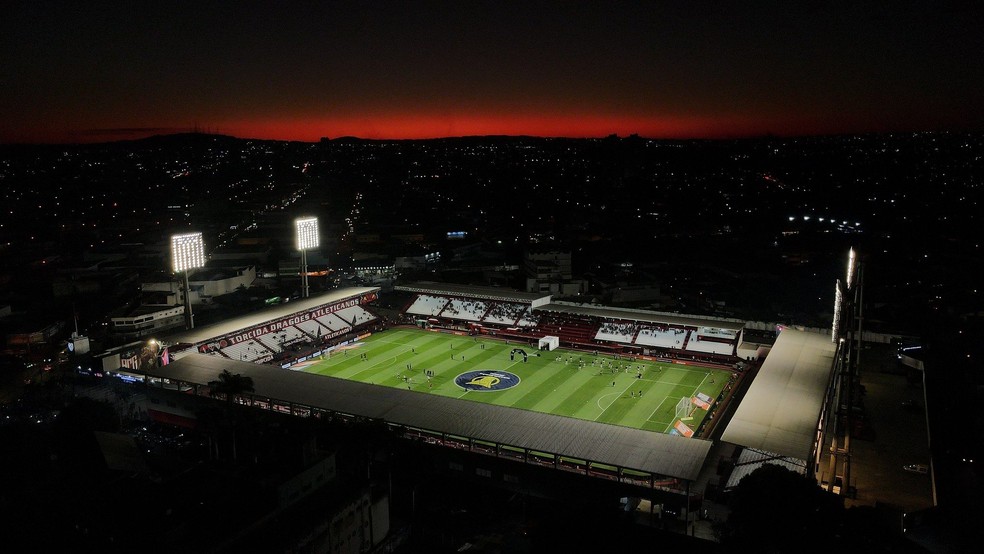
[683, 408]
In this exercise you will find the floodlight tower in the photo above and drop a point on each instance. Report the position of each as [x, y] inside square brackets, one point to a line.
[187, 253]
[307, 237]
[847, 334]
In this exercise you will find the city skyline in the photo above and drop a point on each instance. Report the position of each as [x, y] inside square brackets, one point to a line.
[426, 70]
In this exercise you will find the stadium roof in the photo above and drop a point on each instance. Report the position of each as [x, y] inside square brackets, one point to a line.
[202, 334]
[474, 291]
[781, 410]
[645, 316]
[750, 459]
[672, 456]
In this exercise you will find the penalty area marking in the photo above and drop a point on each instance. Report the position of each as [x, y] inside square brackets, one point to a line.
[605, 409]
[650, 418]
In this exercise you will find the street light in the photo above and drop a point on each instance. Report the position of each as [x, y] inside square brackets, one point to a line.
[307, 237]
[187, 253]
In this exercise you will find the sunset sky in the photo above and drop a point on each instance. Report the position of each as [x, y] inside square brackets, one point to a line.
[95, 71]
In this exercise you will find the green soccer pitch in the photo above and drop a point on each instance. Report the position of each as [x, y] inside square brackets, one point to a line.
[563, 382]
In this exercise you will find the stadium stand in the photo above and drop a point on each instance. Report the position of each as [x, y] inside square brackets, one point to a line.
[286, 336]
[528, 318]
[247, 352]
[332, 322]
[571, 330]
[312, 328]
[269, 341]
[354, 315]
[468, 310]
[577, 325]
[504, 313]
[663, 337]
[426, 304]
[695, 344]
[617, 331]
[721, 335]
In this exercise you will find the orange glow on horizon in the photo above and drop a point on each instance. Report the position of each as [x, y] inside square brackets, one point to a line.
[428, 127]
[383, 126]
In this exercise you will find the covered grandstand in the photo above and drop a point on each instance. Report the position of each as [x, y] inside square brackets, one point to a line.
[628, 455]
[531, 316]
[264, 336]
[643, 328]
[494, 306]
[778, 421]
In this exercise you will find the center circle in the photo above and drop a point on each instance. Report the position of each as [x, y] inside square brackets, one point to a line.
[486, 380]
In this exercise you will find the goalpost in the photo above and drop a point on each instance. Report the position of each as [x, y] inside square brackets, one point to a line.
[683, 408]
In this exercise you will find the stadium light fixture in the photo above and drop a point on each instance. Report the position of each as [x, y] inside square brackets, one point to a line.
[307, 233]
[838, 300]
[187, 253]
[850, 268]
[307, 237]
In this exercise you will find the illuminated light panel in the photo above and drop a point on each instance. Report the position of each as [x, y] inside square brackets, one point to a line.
[838, 299]
[850, 268]
[307, 232]
[187, 252]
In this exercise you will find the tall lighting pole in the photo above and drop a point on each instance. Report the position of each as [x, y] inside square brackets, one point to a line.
[187, 253]
[307, 237]
[846, 334]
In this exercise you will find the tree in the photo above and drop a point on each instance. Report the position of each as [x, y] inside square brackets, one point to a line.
[231, 385]
[774, 509]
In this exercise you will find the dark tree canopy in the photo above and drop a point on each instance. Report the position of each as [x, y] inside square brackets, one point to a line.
[776, 510]
[231, 384]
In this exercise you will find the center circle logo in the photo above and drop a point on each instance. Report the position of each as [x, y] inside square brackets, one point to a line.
[485, 380]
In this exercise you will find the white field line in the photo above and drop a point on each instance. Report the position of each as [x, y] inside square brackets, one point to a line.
[613, 401]
[691, 395]
[650, 418]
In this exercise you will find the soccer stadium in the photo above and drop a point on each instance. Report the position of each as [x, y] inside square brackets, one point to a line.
[627, 396]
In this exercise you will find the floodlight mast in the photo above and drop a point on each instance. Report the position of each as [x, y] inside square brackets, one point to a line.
[851, 266]
[187, 253]
[307, 237]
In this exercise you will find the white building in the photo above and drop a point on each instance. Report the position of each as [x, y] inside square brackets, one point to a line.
[204, 283]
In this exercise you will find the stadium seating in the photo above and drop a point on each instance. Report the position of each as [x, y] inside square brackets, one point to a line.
[506, 313]
[287, 335]
[354, 315]
[695, 344]
[333, 322]
[570, 330]
[427, 305]
[617, 331]
[528, 318]
[312, 328]
[662, 337]
[269, 341]
[249, 351]
[467, 310]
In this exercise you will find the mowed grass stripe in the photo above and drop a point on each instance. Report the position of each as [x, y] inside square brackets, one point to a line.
[582, 400]
[636, 410]
[543, 387]
[531, 375]
[547, 385]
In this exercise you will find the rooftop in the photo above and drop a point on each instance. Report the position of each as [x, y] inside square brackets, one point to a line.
[660, 454]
